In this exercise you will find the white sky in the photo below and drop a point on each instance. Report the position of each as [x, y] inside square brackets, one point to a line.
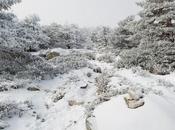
[82, 12]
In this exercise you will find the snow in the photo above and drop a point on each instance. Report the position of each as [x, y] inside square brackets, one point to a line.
[60, 115]
[158, 113]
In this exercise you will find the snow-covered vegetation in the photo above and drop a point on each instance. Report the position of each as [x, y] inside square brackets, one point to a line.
[57, 77]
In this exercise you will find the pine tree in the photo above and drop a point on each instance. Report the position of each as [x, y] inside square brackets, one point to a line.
[157, 19]
[101, 36]
[8, 23]
[155, 29]
[30, 34]
[65, 36]
[6, 4]
[122, 37]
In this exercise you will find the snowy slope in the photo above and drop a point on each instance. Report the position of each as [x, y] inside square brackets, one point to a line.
[158, 113]
[47, 113]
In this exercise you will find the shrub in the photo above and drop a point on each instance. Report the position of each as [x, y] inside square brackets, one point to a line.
[108, 58]
[63, 64]
[8, 110]
[102, 83]
[23, 65]
[157, 58]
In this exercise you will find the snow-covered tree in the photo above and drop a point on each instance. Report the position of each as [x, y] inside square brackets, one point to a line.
[25, 35]
[7, 29]
[6, 4]
[65, 36]
[102, 36]
[122, 36]
[157, 20]
[157, 36]
[30, 34]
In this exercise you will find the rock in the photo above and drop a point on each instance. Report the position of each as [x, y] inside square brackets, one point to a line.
[57, 97]
[133, 104]
[84, 87]
[97, 70]
[38, 117]
[89, 74]
[33, 89]
[3, 125]
[74, 103]
[16, 86]
[51, 55]
[43, 120]
[134, 100]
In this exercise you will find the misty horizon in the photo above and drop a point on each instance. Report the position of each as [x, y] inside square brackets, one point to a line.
[81, 12]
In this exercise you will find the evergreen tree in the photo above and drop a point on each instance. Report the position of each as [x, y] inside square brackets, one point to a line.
[7, 24]
[155, 29]
[30, 34]
[65, 36]
[6, 4]
[101, 36]
[122, 37]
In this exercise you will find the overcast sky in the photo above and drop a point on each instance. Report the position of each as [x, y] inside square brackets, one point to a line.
[82, 12]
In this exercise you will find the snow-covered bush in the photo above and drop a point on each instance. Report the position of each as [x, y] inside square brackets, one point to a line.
[38, 69]
[132, 58]
[69, 62]
[9, 84]
[108, 58]
[16, 62]
[8, 110]
[157, 59]
[102, 83]
[87, 55]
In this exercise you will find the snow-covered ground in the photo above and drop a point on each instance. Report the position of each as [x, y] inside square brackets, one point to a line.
[50, 113]
[158, 113]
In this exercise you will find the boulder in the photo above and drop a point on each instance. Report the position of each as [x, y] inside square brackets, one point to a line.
[133, 104]
[33, 89]
[58, 96]
[134, 100]
[84, 86]
[97, 70]
[51, 55]
[89, 74]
